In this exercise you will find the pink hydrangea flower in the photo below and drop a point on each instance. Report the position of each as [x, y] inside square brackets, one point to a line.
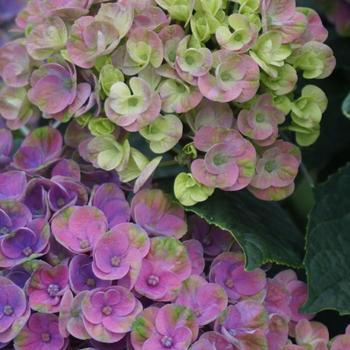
[92, 37]
[342, 341]
[108, 313]
[298, 294]
[36, 11]
[119, 252]
[152, 18]
[14, 310]
[171, 36]
[163, 270]
[213, 341]
[195, 253]
[109, 198]
[70, 317]
[313, 335]
[277, 333]
[227, 270]
[173, 327]
[214, 114]
[54, 87]
[243, 324]
[282, 15]
[79, 228]
[24, 244]
[41, 332]
[132, 111]
[38, 150]
[276, 170]
[228, 163]
[236, 78]
[46, 288]
[206, 300]
[14, 64]
[157, 214]
[213, 239]
[260, 123]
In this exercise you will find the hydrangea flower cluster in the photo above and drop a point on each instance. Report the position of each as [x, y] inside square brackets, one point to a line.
[208, 85]
[86, 265]
[91, 255]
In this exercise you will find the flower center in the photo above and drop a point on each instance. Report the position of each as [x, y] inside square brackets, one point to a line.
[270, 166]
[90, 282]
[133, 101]
[153, 280]
[260, 118]
[53, 290]
[8, 310]
[219, 159]
[84, 244]
[27, 251]
[107, 310]
[229, 283]
[45, 337]
[4, 230]
[207, 240]
[167, 341]
[115, 261]
[60, 202]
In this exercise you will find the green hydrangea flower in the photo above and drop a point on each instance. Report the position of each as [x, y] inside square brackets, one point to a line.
[270, 53]
[307, 114]
[190, 192]
[164, 133]
[136, 163]
[101, 126]
[248, 6]
[108, 76]
[180, 10]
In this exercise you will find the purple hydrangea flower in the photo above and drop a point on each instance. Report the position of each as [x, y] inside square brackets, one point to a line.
[66, 168]
[46, 288]
[70, 317]
[173, 327]
[243, 324]
[277, 333]
[195, 253]
[6, 143]
[228, 271]
[213, 341]
[25, 243]
[118, 253]
[41, 332]
[14, 64]
[108, 313]
[79, 228]
[109, 198]
[39, 149]
[12, 184]
[207, 300]
[157, 214]
[14, 310]
[163, 270]
[13, 215]
[213, 239]
[81, 276]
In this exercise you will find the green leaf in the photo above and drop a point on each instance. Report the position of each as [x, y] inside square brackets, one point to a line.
[346, 106]
[263, 229]
[327, 257]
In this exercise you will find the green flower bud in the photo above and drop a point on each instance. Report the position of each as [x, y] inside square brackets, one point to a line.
[180, 10]
[248, 6]
[283, 103]
[102, 61]
[190, 192]
[101, 126]
[305, 136]
[108, 76]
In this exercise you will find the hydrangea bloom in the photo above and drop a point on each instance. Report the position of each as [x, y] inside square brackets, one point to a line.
[41, 331]
[110, 95]
[15, 310]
